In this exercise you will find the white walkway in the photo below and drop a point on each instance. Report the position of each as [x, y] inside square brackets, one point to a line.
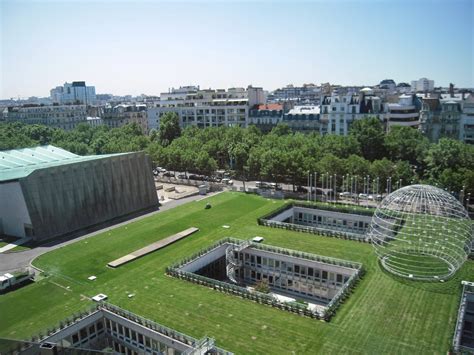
[14, 244]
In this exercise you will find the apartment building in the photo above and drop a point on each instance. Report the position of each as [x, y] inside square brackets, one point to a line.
[58, 116]
[266, 116]
[120, 115]
[466, 132]
[338, 112]
[308, 93]
[206, 108]
[305, 119]
[441, 116]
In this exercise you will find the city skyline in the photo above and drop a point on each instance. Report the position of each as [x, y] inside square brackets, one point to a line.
[149, 47]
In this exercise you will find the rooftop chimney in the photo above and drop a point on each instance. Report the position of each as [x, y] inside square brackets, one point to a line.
[451, 89]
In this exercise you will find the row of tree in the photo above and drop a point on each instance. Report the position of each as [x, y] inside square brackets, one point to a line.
[279, 156]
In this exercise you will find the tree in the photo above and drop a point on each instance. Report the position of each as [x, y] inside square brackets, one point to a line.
[369, 133]
[356, 165]
[448, 154]
[406, 143]
[169, 128]
[282, 129]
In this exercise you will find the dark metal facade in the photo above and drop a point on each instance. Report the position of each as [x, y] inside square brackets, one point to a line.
[72, 197]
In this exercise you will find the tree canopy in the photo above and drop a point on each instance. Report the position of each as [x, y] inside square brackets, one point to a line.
[280, 156]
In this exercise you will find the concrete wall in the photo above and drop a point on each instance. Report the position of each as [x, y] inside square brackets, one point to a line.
[13, 210]
[206, 259]
[69, 198]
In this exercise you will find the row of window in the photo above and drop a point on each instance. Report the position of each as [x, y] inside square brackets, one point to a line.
[262, 264]
[138, 340]
[324, 221]
[87, 334]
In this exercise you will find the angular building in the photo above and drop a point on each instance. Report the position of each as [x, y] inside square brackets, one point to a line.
[47, 192]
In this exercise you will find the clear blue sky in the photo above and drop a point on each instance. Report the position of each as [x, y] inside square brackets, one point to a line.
[139, 47]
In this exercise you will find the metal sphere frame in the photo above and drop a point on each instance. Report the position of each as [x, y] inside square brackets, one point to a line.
[421, 232]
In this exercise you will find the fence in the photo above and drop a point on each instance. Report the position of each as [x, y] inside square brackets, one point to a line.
[326, 314]
[212, 186]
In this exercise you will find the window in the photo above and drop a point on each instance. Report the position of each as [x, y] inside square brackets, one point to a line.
[339, 278]
[310, 271]
[92, 331]
[83, 333]
[259, 260]
[75, 338]
[297, 268]
[325, 275]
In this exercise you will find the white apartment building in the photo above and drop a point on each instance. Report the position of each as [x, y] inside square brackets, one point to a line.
[404, 113]
[206, 108]
[422, 85]
[466, 132]
[339, 111]
[74, 93]
[62, 116]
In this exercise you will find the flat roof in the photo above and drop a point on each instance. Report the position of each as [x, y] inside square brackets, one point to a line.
[19, 163]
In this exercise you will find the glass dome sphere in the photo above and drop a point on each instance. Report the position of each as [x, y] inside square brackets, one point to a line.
[421, 232]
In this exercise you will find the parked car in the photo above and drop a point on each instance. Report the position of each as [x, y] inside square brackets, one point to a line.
[301, 189]
[181, 176]
[363, 196]
[167, 174]
[227, 181]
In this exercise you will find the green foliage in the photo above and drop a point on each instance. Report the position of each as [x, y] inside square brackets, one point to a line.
[281, 156]
[262, 286]
[369, 132]
[169, 128]
[406, 143]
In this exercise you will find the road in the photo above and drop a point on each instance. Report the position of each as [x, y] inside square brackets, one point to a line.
[22, 259]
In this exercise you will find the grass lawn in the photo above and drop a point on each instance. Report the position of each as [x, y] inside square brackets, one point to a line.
[384, 315]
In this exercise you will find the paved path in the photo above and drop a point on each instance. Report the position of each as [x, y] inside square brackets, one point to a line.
[152, 247]
[14, 244]
[12, 261]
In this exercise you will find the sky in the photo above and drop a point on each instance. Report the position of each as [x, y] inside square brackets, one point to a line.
[124, 47]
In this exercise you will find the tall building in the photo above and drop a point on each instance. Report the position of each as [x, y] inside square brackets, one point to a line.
[422, 85]
[206, 108]
[74, 93]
